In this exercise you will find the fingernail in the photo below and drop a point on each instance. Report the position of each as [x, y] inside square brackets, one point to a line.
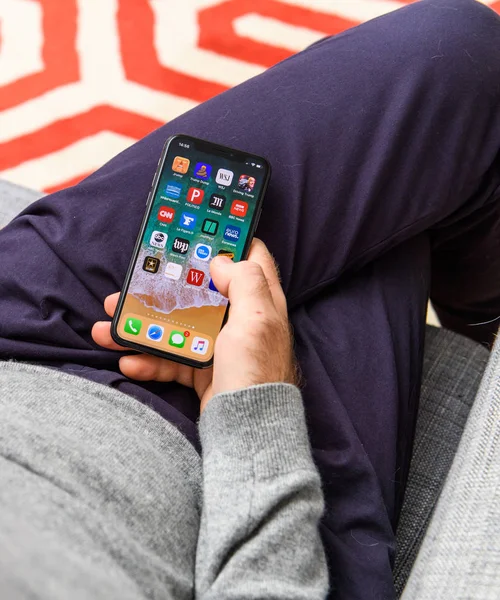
[223, 259]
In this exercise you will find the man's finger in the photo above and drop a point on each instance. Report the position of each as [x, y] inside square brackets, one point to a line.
[143, 367]
[101, 334]
[245, 285]
[110, 304]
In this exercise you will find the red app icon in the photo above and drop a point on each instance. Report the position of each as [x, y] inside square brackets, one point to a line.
[195, 277]
[166, 214]
[239, 208]
[195, 195]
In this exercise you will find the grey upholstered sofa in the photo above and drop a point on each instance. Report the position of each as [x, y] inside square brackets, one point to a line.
[453, 370]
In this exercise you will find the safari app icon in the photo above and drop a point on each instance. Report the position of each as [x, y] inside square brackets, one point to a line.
[155, 333]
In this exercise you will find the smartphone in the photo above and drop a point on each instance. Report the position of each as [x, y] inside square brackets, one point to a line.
[205, 200]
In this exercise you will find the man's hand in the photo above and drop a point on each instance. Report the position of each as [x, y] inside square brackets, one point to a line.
[254, 346]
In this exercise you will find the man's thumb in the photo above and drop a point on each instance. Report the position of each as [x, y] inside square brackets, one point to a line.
[221, 271]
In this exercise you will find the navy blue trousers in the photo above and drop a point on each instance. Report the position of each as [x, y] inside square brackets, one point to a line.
[384, 144]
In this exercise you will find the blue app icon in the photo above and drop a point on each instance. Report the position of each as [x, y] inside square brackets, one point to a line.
[188, 220]
[212, 287]
[155, 333]
[202, 171]
[232, 233]
[203, 252]
[173, 189]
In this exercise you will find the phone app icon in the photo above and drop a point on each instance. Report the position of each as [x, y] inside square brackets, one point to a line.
[195, 195]
[217, 201]
[246, 183]
[188, 221]
[202, 252]
[203, 170]
[180, 165]
[173, 270]
[173, 189]
[177, 339]
[166, 214]
[158, 239]
[210, 227]
[228, 253]
[151, 264]
[155, 333]
[180, 245]
[132, 326]
[239, 208]
[199, 345]
[232, 233]
[195, 277]
[211, 286]
[224, 177]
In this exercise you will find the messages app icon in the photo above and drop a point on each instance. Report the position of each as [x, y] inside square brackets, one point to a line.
[177, 339]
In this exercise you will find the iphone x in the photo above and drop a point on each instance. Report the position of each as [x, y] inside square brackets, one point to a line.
[205, 200]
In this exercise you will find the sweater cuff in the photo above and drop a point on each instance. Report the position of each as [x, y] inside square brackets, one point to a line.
[259, 430]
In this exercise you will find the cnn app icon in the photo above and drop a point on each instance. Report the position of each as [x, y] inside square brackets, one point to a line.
[166, 214]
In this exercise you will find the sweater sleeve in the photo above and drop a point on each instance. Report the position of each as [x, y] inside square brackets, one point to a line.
[262, 500]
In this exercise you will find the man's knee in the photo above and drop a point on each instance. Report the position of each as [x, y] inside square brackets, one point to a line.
[463, 29]
[453, 43]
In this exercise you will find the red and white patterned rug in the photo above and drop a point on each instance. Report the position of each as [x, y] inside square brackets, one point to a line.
[80, 80]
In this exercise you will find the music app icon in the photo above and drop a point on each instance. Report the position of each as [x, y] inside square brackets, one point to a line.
[199, 345]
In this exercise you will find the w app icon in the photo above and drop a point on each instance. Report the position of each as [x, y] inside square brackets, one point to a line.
[195, 277]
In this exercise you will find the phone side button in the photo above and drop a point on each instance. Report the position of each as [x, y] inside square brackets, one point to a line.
[148, 198]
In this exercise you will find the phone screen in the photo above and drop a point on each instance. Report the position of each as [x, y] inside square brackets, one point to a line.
[205, 202]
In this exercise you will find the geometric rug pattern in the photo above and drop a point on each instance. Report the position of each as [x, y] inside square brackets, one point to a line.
[80, 80]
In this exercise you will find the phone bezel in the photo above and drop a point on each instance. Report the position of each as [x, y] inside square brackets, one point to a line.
[210, 148]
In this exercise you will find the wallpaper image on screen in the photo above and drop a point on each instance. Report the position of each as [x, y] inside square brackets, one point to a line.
[203, 206]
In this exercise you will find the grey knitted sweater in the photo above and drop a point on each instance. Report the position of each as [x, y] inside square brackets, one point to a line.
[102, 498]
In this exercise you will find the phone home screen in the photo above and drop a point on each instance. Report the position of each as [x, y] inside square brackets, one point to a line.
[203, 206]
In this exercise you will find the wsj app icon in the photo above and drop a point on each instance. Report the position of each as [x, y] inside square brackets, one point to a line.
[188, 221]
[217, 201]
[180, 245]
[155, 333]
[158, 239]
[224, 177]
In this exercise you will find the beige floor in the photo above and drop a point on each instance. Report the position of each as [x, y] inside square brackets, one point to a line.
[431, 316]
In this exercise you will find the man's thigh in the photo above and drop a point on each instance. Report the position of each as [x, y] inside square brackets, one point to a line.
[360, 346]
